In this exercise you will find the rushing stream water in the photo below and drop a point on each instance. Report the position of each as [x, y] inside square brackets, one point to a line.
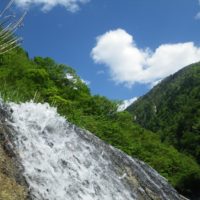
[63, 162]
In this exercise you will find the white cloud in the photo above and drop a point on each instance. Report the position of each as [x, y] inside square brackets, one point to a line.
[129, 64]
[125, 104]
[70, 5]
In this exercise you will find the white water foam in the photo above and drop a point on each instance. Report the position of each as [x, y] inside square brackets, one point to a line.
[58, 163]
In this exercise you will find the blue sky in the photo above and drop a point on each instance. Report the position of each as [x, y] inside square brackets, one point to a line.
[139, 41]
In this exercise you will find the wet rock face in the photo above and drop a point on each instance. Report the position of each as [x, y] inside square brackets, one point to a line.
[63, 162]
[143, 180]
[12, 182]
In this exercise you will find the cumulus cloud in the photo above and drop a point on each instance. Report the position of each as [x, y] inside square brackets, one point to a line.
[70, 5]
[128, 64]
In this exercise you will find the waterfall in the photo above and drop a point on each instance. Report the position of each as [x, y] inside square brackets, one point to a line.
[63, 162]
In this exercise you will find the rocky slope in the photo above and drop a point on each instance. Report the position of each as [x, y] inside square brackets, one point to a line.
[12, 182]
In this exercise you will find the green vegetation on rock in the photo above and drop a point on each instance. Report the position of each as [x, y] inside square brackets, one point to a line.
[43, 80]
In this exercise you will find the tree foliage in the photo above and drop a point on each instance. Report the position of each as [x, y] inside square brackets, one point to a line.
[177, 114]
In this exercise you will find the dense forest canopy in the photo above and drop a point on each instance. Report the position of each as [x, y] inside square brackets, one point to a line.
[172, 109]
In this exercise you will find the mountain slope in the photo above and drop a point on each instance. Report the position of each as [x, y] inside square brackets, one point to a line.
[172, 108]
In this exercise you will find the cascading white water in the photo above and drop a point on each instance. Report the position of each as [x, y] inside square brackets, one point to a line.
[62, 162]
[58, 163]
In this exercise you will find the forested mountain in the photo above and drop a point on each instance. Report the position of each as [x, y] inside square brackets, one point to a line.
[172, 108]
[43, 80]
